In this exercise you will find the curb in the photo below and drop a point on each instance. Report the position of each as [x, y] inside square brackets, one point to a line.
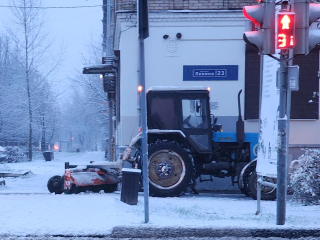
[140, 232]
[152, 232]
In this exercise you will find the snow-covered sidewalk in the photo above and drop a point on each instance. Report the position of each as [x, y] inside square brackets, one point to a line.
[27, 208]
[97, 214]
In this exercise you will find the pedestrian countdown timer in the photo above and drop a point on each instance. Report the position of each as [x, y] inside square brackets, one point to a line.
[285, 26]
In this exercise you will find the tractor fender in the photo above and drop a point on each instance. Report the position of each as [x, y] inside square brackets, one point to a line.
[178, 136]
[251, 164]
[127, 152]
[158, 131]
[155, 131]
[138, 137]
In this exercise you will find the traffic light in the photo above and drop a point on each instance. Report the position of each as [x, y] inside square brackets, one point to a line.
[285, 30]
[143, 19]
[263, 16]
[109, 83]
[306, 37]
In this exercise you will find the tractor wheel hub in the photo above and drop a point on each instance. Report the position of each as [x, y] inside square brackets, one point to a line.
[164, 169]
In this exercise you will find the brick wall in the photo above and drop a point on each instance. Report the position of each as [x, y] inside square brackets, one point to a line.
[187, 4]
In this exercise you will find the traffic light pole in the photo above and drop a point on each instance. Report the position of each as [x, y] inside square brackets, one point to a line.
[143, 16]
[282, 140]
[144, 145]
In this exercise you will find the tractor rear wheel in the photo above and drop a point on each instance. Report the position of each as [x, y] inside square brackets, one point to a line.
[171, 169]
[55, 184]
[267, 193]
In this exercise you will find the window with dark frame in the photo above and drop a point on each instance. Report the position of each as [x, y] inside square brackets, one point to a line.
[162, 115]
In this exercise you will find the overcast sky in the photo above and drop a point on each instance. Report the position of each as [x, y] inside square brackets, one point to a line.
[74, 27]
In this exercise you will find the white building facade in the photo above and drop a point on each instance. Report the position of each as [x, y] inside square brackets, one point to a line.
[185, 48]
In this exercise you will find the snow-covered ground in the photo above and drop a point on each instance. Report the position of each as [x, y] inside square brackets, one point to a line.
[27, 207]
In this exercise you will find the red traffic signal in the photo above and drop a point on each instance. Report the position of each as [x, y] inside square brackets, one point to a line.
[285, 27]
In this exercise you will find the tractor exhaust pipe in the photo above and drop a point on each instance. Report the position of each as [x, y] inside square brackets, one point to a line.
[240, 123]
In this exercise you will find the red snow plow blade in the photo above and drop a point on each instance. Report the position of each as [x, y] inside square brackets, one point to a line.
[93, 177]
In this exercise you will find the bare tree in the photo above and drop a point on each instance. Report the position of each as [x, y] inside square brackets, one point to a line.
[27, 30]
[12, 101]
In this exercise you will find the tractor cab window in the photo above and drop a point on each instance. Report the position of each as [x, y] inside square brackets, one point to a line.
[194, 113]
[162, 114]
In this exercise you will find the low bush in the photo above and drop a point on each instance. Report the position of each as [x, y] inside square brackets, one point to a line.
[305, 177]
[16, 154]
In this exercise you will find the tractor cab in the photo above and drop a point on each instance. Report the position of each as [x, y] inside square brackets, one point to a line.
[184, 110]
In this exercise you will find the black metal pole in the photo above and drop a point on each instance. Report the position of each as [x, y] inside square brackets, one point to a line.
[282, 142]
[144, 132]
[143, 109]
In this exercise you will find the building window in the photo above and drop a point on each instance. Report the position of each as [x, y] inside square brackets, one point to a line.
[252, 83]
[301, 106]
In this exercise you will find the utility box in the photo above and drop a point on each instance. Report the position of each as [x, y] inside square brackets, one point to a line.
[130, 185]
[48, 155]
[293, 77]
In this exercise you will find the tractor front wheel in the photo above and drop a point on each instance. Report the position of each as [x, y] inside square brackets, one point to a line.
[243, 182]
[267, 192]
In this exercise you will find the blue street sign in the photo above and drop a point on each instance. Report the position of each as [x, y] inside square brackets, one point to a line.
[210, 73]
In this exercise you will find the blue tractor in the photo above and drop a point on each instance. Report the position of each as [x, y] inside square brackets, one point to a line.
[185, 143]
